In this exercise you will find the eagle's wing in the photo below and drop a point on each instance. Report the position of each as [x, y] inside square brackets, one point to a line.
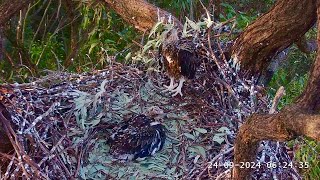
[137, 138]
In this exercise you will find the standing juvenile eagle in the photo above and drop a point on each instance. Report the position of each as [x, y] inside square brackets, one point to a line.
[139, 137]
[179, 59]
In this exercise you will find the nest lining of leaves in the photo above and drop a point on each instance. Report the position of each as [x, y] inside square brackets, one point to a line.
[60, 123]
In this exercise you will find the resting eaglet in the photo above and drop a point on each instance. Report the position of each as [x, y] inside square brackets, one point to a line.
[179, 59]
[137, 138]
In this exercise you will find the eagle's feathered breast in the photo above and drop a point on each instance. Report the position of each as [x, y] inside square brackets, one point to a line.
[170, 62]
[180, 59]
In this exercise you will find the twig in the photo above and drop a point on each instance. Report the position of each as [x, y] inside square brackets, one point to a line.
[209, 164]
[39, 118]
[280, 92]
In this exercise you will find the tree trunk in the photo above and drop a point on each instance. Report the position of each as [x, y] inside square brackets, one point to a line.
[286, 22]
[141, 14]
[306, 46]
[9, 8]
[292, 121]
[74, 26]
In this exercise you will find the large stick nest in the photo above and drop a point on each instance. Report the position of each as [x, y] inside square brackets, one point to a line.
[58, 125]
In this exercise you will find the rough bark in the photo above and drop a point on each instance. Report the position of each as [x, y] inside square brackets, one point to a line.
[286, 22]
[292, 121]
[9, 8]
[141, 14]
[306, 46]
[284, 126]
[74, 26]
[310, 99]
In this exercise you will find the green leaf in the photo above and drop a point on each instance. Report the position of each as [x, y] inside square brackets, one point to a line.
[202, 151]
[224, 130]
[94, 122]
[219, 138]
[121, 172]
[128, 56]
[190, 136]
[201, 130]
[193, 25]
[185, 32]
[155, 28]
[92, 46]
[148, 45]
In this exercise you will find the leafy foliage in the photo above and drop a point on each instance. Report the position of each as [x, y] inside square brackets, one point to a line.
[242, 19]
[78, 37]
[308, 153]
[107, 35]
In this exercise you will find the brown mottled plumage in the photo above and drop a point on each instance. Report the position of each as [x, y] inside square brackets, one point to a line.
[137, 138]
[180, 59]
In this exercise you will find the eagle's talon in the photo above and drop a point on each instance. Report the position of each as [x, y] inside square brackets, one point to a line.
[171, 86]
[178, 90]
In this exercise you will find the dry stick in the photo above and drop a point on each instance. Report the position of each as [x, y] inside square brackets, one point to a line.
[15, 144]
[209, 38]
[223, 174]
[276, 100]
[138, 44]
[76, 172]
[227, 22]
[39, 118]
[40, 24]
[18, 149]
[13, 158]
[280, 92]
[212, 161]
[52, 151]
[222, 71]
[64, 166]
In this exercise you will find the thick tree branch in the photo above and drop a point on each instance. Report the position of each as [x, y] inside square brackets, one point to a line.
[286, 22]
[292, 121]
[9, 8]
[310, 99]
[141, 14]
[74, 25]
[306, 46]
[284, 126]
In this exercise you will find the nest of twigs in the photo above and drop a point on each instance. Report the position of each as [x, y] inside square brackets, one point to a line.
[58, 125]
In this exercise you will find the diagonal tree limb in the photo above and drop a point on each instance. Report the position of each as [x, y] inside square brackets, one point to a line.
[141, 14]
[271, 33]
[293, 121]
